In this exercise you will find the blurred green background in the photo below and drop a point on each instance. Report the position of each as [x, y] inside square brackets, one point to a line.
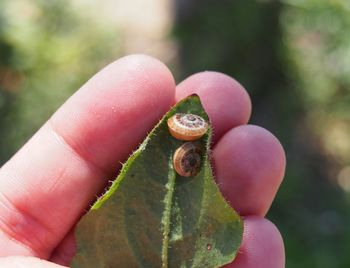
[292, 56]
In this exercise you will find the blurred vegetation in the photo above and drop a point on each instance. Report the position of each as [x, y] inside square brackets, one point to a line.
[47, 50]
[292, 56]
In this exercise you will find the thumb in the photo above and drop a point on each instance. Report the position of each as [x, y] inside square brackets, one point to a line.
[26, 262]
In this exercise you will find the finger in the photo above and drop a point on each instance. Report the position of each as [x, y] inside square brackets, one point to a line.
[224, 99]
[27, 262]
[262, 245]
[45, 187]
[65, 251]
[249, 165]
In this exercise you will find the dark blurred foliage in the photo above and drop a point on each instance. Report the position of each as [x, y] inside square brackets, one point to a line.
[260, 43]
[292, 56]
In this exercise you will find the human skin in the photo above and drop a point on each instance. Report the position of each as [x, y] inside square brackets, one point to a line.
[48, 184]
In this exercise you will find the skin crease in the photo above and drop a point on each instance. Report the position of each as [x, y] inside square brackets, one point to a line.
[92, 131]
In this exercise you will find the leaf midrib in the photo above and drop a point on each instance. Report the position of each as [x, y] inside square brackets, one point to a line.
[168, 200]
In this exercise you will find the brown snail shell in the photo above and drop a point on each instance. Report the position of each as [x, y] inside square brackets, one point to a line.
[187, 159]
[187, 127]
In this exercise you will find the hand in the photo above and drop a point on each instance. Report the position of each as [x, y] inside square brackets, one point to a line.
[48, 184]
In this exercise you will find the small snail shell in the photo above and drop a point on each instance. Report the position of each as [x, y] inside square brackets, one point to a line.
[187, 127]
[187, 159]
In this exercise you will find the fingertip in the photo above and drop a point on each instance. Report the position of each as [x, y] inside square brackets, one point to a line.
[261, 235]
[153, 73]
[150, 68]
[133, 75]
[224, 99]
[262, 245]
[249, 162]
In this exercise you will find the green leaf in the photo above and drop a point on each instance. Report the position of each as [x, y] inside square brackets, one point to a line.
[152, 217]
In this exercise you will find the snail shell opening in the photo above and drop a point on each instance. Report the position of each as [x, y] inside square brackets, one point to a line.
[187, 127]
[187, 159]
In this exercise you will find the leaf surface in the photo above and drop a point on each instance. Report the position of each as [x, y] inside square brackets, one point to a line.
[152, 217]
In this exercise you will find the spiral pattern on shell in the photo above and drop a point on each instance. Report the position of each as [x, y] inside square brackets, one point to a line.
[187, 159]
[187, 127]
